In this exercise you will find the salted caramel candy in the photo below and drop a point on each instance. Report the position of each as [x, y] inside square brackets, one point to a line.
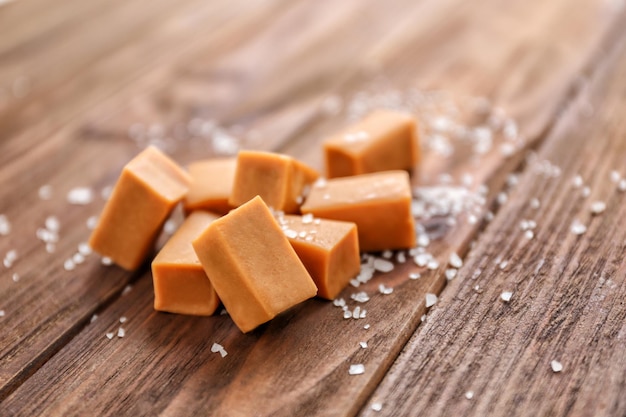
[148, 189]
[280, 180]
[211, 185]
[252, 266]
[379, 204]
[329, 250]
[180, 283]
[384, 140]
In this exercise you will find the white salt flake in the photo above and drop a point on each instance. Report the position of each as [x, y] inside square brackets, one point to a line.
[506, 296]
[383, 265]
[401, 257]
[469, 395]
[432, 264]
[339, 302]
[423, 240]
[360, 297]
[431, 299]
[78, 258]
[366, 327]
[93, 318]
[455, 260]
[414, 275]
[110, 335]
[9, 258]
[106, 261]
[586, 191]
[387, 254]
[121, 332]
[534, 203]
[307, 218]
[578, 228]
[84, 249]
[127, 289]
[577, 182]
[377, 406]
[45, 192]
[291, 234]
[123, 319]
[502, 198]
[503, 265]
[5, 225]
[615, 176]
[622, 185]
[50, 247]
[363, 345]
[597, 207]
[80, 196]
[52, 224]
[556, 366]
[356, 369]
[529, 234]
[347, 314]
[384, 290]
[92, 222]
[217, 348]
[15, 277]
[450, 274]
[170, 227]
[69, 265]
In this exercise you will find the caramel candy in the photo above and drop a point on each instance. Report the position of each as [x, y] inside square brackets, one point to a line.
[278, 179]
[212, 183]
[329, 250]
[379, 204]
[180, 284]
[252, 266]
[384, 140]
[148, 189]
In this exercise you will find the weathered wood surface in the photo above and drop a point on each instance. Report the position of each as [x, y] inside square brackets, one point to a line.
[524, 56]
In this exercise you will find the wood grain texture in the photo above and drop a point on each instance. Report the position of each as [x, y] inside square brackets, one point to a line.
[568, 289]
[298, 363]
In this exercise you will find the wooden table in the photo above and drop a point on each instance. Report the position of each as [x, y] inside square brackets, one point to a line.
[522, 106]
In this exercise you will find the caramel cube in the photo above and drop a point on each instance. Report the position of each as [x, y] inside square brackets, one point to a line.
[180, 284]
[278, 179]
[147, 191]
[211, 185]
[329, 250]
[384, 140]
[379, 204]
[252, 266]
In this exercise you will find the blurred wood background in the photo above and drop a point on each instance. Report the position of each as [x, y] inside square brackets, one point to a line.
[539, 86]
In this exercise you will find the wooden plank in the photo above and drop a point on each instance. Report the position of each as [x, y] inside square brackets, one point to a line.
[312, 329]
[477, 355]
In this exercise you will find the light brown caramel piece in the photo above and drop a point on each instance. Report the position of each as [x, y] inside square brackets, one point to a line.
[379, 204]
[180, 284]
[384, 140]
[252, 266]
[278, 179]
[329, 250]
[148, 189]
[211, 186]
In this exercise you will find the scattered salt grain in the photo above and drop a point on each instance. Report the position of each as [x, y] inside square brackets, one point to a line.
[423, 240]
[578, 228]
[383, 265]
[15, 277]
[121, 332]
[169, 227]
[52, 224]
[597, 207]
[291, 234]
[414, 275]
[45, 192]
[469, 395]
[431, 299]
[455, 260]
[503, 265]
[110, 335]
[356, 369]
[93, 318]
[50, 247]
[556, 366]
[127, 289]
[217, 348]
[367, 327]
[586, 192]
[384, 290]
[432, 264]
[84, 249]
[347, 314]
[377, 406]
[105, 193]
[387, 254]
[339, 302]
[78, 258]
[529, 234]
[5, 225]
[506, 296]
[622, 185]
[577, 182]
[363, 345]
[534, 203]
[10, 258]
[80, 196]
[106, 261]
[615, 176]
[69, 265]
[472, 219]
[502, 198]
[450, 274]
[360, 297]
[92, 222]
[307, 218]
[401, 257]
[123, 319]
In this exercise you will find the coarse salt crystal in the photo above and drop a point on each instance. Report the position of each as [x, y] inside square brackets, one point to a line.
[291, 234]
[432, 264]
[106, 261]
[387, 254]
[414, 275]
[383, 265]
[502, 198]
[15, 277]
[360, 297]
[577, 182]
[529, 234]
[366, 327]
[121, 332]
[307, 218]
[78, 258]
[504, 264]
[586, 191]
[69, 265]
[384, 290]
[377, 406]
[622, 185]
[556, 366]
[534, 203]
[363, 345]
[506, 296]
[170, 227]
[431, 299]
[123, 319]
[84, 249]
[450, 274]
[110, 335]
[347, 314]
[615, 176]
[339, 302]
[217, 348]
[597, 207]
[80, 196]
[455, 260]
[92, 222]
[423, 240]
[469, 395]
[578, 228]
[356, 369]
[45, 192]
[127, 289]
[52, 224]
[401, 257]
[5, 225]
